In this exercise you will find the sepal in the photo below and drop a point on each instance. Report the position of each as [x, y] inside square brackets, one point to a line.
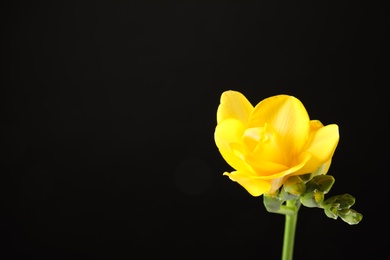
[272, 203]
[281, 202]
[284, 195]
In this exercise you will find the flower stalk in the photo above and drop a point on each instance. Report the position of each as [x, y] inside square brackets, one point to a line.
[289, 230]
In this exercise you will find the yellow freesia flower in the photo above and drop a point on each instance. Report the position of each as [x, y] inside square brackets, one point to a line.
[272, 141]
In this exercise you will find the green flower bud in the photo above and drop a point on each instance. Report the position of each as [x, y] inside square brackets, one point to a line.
[331, 211]
[306, 177]
[272, 202]
[350, 216]
[339, 206]
[312, 199]
[345, 201]
[294, 185]
[321, 182]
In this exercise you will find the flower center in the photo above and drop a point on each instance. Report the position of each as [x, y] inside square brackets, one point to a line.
[252, 136]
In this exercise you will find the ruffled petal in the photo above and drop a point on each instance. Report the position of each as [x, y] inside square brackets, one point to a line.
[254, 186]
[235, 105]
[289, 119]
[267, 149]
[267, 158]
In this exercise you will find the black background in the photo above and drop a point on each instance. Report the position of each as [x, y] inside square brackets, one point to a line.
[108, 115]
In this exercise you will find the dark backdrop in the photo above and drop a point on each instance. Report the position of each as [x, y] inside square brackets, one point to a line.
[108, 115]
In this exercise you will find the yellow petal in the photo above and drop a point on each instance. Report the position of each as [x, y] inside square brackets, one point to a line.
[228, 139]
[265, 168]
[254, 186]
[289, 118]
[289, 171]
[233, 104]
[322, 146]
[315, 124]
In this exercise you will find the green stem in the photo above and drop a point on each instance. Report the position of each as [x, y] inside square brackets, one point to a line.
[289, 231]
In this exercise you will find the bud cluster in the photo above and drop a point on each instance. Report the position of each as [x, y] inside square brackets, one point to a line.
[310, 192]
